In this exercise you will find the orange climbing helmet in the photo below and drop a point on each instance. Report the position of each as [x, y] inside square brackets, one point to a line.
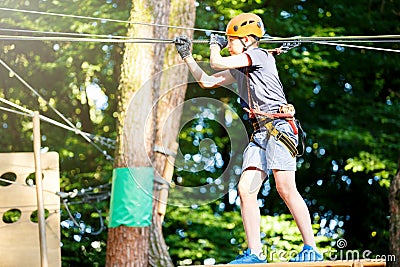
[245, 24]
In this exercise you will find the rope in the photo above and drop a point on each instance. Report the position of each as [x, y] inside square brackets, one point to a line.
[30, 186]
[287, 40]
[103, 19]
[63, 33]
[121, 39]
[87, 198]
[25, 110]
[312, 39]
[76, 130]
[111, 39]
[93, 40]
[110, 143]
[268, 39]
[199, 41]
[35, 92]
[360, 47]
[343, 39]
[14, 111]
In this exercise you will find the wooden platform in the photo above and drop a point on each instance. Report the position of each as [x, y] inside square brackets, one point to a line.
[361, 263]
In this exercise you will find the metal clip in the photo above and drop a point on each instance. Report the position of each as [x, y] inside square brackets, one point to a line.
[289, 45]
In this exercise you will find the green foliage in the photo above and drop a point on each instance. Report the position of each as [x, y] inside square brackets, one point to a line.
[347, 100]
[370, 163]
[200, 235]
[62, 72]
[11, 216]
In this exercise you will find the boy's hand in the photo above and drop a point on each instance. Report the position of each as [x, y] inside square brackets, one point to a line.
[219, 40]
[183, 45]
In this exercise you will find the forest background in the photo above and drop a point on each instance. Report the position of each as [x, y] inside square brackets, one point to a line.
[347, 100]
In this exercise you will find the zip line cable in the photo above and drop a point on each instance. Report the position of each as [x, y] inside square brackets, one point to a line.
[127, 39]
[102, 38]
[267, 39]
[107, 38]
[120, 39]
[103, 19]
[316, 40]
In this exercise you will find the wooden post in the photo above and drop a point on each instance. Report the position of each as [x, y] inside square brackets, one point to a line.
[39, 190]
[168, 172]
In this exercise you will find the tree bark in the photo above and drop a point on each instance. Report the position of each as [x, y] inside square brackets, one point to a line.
[394, 231]
[129, 246]
[142, 109]
[134, 253]
[169, 109]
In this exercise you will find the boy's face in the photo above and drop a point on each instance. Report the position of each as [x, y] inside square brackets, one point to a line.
[235, 47]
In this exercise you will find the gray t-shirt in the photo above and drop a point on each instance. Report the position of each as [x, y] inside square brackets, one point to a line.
[266, 89]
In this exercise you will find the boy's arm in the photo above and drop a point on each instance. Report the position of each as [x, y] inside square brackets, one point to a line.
[183, 45]
[219, 62]
[205, 80]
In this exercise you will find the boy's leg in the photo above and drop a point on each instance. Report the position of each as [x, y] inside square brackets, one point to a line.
[249, 185]
[286, 187]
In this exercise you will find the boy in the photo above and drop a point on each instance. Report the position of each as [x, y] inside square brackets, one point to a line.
[262, 96]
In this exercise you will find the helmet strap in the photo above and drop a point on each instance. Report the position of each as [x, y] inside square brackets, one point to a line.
[245, 47]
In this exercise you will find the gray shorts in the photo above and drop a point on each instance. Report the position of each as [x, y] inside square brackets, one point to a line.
[275, 156]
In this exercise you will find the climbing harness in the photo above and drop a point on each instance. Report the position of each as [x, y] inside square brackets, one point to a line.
[268, 123]
[264, 119]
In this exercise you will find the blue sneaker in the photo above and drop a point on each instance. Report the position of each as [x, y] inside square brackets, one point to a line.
[307, 254]
[247, 258]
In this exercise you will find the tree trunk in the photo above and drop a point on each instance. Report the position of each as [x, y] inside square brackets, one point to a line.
[123, 248]
[394, 231]
[129, 246]
[140, 110]
[169, 110]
